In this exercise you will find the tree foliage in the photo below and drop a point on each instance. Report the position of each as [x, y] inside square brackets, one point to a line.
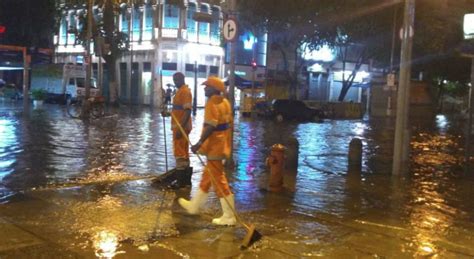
[438, 37]
[110, 42]
[365, 28]
[344, 25]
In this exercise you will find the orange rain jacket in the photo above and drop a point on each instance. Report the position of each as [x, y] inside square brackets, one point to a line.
[182, 101]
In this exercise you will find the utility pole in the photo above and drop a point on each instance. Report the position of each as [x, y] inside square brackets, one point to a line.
[130, 36]
[402, 131]
[230, 163]
[469, 126]
[232, 60]
[26, 76]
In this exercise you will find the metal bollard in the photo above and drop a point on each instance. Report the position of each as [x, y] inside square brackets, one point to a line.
[355, 155]
[276, 162]
[292, 154]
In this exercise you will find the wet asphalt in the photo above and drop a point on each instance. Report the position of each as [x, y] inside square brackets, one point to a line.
[75, 189]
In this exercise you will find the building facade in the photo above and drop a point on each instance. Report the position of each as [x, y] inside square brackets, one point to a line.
[166, 36]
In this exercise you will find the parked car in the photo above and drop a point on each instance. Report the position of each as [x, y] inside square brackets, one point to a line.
[284, 109]
[10, 91]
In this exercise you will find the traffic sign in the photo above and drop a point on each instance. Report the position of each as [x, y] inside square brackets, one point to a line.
[230, 30]
[468, 26]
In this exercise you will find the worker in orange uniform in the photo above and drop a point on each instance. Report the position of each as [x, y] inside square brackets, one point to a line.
[181, 110]
[215, 144]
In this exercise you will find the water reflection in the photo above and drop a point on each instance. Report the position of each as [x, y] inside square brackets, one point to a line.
[8, 146]
[106, 244]
[33, 166]
[421, 211]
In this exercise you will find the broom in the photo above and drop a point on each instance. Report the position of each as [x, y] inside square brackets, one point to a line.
[252, 234]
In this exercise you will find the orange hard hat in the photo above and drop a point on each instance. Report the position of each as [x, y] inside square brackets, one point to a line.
[216, 83]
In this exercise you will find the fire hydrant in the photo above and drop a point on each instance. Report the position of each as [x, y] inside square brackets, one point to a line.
[276, 162]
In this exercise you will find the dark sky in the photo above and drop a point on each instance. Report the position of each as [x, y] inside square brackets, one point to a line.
[28, 22]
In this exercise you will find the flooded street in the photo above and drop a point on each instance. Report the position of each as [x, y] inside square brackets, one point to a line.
[75, 189]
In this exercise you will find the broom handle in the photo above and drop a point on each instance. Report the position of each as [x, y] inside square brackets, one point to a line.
[166, 147]
[214, 181]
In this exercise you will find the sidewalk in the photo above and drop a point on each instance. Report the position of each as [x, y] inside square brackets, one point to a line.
[133, 220]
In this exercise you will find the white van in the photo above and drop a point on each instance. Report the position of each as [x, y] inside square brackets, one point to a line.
[76, 87]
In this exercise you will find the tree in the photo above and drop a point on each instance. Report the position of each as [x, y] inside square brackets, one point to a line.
[109, 41]
[289, 27]
[359, 30]
[438, 39]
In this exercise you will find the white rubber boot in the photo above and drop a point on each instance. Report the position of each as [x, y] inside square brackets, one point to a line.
[228, 217]
[192, 206]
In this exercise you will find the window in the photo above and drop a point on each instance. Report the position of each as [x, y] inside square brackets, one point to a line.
[63, 31]
[171, 16]
[170, 66]
[191, 23]
[125, 20]
[137, 14]
[204, 26]
[214, 70]
[189, 67]
[202, 68]
[148, 30]
[81, 83]
[71, 39]
[215, 30]
[146, 67]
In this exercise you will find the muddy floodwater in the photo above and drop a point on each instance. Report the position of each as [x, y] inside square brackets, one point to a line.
[75, 189]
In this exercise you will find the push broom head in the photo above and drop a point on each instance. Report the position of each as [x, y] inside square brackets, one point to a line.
[252, 236]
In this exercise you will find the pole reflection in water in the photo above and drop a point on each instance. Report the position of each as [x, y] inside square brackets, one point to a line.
[431, 212]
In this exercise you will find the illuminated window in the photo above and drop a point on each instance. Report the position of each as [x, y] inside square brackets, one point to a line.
[136, 24]
[148, 27]
[124, 21]
[63, 31]
[204, 27]
[191, 23]
[71, 28]
[171, 16]
[215, 30]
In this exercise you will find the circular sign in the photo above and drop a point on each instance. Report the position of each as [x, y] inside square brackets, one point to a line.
[230, 30]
